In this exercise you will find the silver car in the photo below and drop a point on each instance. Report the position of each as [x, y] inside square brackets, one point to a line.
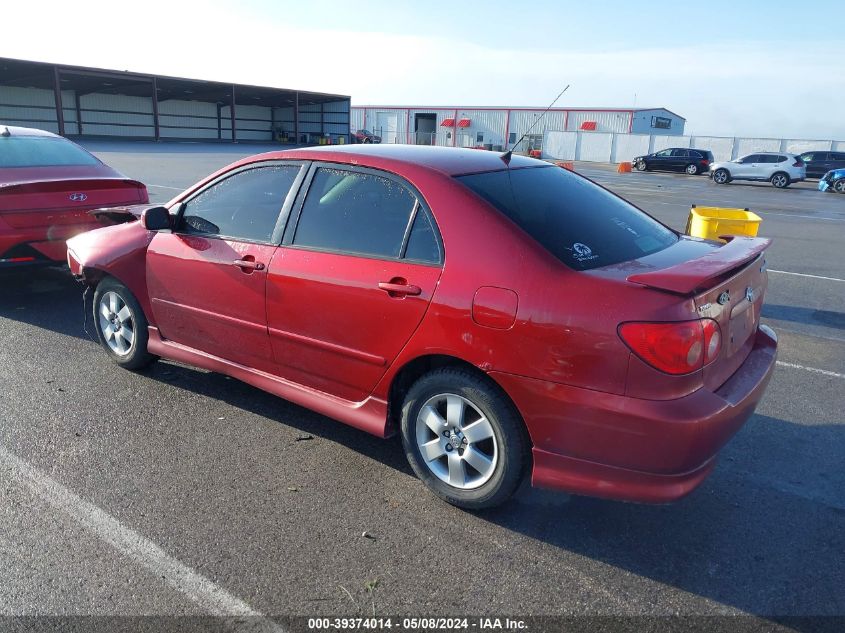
[779, 168]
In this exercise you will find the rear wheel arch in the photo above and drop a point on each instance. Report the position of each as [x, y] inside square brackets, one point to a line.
[416, 368]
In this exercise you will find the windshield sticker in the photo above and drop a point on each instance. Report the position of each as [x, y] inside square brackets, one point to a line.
[582, 252]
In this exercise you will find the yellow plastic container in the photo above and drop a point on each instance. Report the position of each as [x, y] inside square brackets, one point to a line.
[711, 222]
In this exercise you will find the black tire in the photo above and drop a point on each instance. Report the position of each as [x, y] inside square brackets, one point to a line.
[691, 169]
[780, 180]
[640, 165]
[509, 440]
[721, 176]
[838, 185]
[366, 140]
[136, 355]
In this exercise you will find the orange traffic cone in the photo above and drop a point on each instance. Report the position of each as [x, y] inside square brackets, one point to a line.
[624, 168]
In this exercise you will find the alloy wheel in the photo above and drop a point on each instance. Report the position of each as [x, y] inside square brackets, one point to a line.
[456, 441]
[720, 177]
[839, 186]
[692, 170]
[780, 181]
[117, 323]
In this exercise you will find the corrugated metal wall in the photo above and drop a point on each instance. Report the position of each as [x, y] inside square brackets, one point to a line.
[36, 107]
[188, 119]
[605, 121]
[523, 120]
[116, 115]
[129, 116]
[336, 118]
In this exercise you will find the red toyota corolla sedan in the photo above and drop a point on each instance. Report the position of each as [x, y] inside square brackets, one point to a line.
[504, 316]
[48, 187]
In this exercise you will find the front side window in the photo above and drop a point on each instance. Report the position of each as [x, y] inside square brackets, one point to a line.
[580, 223]
[354, 212]
[42, 151]
[666, 153]
[243, 206]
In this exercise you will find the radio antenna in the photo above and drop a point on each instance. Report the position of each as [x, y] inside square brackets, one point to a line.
[506, 157]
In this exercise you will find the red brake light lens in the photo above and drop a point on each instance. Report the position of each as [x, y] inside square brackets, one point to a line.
[675, 348]
[798, 163]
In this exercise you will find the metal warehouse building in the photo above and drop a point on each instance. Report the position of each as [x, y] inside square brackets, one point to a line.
[93, 102]
[500, 128]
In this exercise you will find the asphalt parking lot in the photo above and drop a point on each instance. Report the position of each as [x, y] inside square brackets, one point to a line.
[180, 492]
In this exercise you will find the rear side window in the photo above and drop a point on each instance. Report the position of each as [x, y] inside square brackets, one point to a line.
[354, 212]
[42, 151]
[243, 206]
[580, 223]
[837, 156]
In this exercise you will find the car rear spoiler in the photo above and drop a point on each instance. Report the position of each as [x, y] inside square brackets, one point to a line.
[706, 271]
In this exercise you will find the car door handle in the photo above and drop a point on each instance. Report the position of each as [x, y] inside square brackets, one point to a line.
[246, 263]
[399, 288]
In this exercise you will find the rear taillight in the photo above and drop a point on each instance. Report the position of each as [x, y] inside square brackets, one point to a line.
[705, 162]
[798, 163]
[675, 348]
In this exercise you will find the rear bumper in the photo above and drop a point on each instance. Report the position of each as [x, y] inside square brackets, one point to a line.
[45, 244]
[630, 449]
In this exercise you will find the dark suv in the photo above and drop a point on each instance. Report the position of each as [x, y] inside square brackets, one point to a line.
[365, 136]
[691, 161]
[820, 162]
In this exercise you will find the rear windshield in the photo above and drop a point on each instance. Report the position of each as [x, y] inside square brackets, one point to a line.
[41, 151]
[577, 221]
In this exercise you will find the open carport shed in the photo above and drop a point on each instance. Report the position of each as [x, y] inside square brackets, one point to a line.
[93, 102]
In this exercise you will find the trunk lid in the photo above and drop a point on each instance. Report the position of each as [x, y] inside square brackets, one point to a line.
[728, 284]
[50, 202]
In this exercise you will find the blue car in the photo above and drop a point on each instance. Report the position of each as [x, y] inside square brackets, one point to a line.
[834, 180]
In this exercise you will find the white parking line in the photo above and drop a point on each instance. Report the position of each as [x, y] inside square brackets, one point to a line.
[812, 369]
[795, 215]
[216, 600]
[784, 272]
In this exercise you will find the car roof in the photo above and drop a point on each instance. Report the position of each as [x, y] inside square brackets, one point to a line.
[452, 161]
[15, 130]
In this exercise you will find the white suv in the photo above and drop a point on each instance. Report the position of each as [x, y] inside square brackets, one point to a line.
[778, 168]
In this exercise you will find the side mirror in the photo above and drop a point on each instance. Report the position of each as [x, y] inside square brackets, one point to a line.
[156, 219]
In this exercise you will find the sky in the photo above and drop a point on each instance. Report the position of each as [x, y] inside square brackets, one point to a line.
[741, 68]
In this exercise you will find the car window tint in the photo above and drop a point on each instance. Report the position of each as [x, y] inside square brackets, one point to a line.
[808, 157]
[665, 153]
[679, 153]
[41, 151]
[580, 223]
[422, 243]
[354, 212]
[245, 205]
[694, 154]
